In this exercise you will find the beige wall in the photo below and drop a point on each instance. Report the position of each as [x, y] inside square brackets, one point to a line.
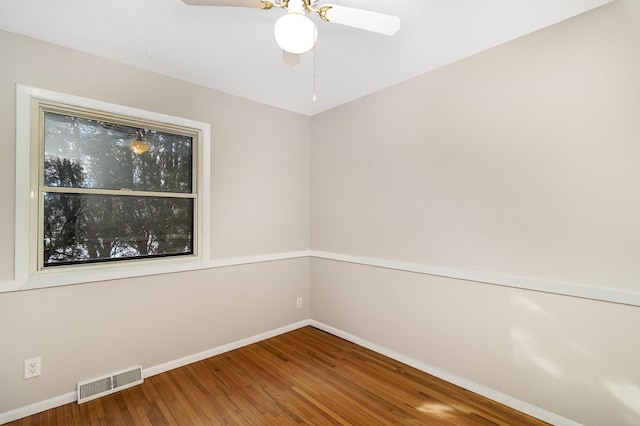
[573, 357]
[260, 205]
[521, 161]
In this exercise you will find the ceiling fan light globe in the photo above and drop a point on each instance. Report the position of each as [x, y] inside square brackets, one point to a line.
[139, 146]
[295, 33]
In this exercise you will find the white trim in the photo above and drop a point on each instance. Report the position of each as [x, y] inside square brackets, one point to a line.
[485, 391]
[245, 260]
[627, 297]
[507, 400]
[177, 363]
[70, 397]
[7, 286]
[38, 407]
[22, 195]
[150, 268]
[23, 276]
[567, 289]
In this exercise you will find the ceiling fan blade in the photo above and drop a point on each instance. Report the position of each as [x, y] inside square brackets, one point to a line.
[290, 60]
[363, 19]
[233, 3]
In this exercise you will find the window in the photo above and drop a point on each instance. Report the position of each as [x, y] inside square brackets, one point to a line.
[110, 186]
[111, 191]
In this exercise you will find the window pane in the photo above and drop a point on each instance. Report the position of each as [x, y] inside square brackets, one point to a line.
[86, 153]
[81, 228]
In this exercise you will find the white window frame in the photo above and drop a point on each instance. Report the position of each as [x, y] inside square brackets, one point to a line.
[27, 274]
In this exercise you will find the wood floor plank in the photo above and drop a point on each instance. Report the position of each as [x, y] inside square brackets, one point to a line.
[305, 377]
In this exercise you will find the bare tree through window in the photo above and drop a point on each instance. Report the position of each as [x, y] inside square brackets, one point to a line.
[113, 191]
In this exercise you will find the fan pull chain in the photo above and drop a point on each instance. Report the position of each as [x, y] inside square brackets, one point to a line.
[313, 98]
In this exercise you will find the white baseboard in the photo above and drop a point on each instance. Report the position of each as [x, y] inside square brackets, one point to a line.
[70, 397]
[492, 394]
[38, 407]
[507, 400]
[161, 368]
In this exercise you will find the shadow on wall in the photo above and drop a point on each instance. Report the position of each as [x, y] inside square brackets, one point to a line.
[580, 375]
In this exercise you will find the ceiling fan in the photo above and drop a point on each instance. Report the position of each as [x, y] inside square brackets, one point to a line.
[296, 33]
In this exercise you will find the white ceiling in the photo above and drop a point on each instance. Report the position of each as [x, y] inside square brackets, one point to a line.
[233, 50]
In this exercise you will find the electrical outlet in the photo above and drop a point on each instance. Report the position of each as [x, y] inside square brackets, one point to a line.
[299, 303]
[32, 367]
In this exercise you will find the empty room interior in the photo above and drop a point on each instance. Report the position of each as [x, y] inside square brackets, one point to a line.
[474, 215]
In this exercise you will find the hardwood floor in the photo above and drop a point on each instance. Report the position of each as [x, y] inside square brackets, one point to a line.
[306, 376]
